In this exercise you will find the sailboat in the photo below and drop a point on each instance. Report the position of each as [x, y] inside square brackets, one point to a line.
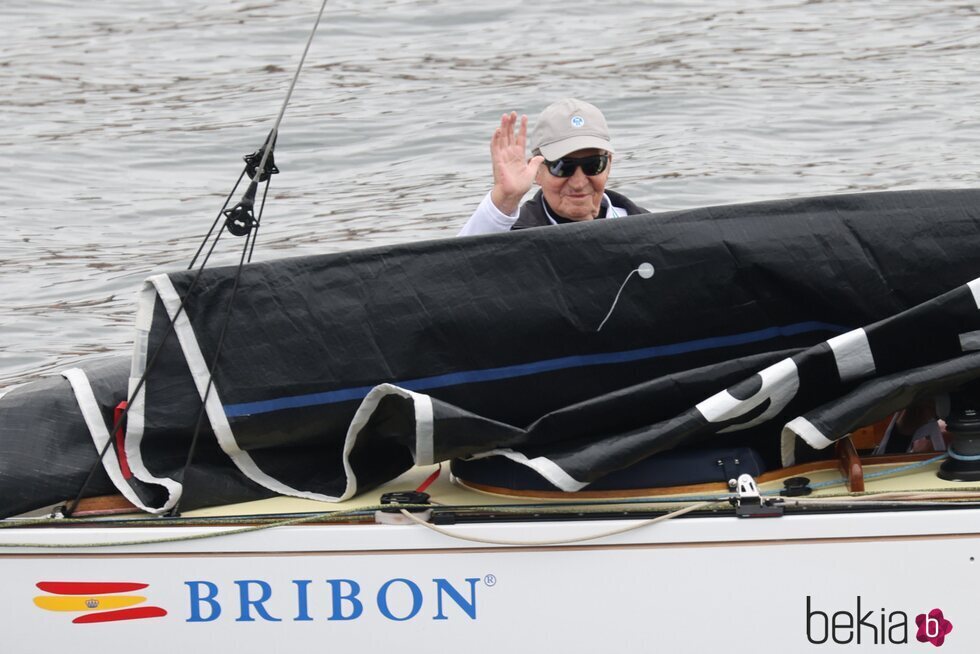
[654, 432]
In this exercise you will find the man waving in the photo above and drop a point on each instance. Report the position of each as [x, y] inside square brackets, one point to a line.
[571, 156]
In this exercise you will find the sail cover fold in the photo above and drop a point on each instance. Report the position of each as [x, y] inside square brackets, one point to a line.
[782, 325]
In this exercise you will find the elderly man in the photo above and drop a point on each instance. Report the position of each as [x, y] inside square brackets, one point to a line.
[571, 159]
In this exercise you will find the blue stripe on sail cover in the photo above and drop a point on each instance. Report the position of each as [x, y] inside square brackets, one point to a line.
[533, 368]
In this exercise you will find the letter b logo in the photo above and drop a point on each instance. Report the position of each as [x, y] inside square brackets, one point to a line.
[933, 627]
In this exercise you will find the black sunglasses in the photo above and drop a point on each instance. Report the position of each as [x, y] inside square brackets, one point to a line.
[565, 167]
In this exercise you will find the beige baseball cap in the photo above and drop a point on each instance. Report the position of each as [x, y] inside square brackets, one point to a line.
[569, 125]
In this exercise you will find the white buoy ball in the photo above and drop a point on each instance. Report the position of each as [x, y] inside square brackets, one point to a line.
[645, 270]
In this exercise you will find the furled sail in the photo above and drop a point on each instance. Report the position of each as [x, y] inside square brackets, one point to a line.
[783, 325]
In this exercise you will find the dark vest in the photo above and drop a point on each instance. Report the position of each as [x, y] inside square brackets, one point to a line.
[532, 212]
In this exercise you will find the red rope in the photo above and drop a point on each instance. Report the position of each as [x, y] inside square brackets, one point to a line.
[121, 440]
[428, 482]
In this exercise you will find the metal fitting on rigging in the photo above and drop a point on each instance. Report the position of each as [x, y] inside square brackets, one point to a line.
[254, 160]
[259, 166]
[240, 219]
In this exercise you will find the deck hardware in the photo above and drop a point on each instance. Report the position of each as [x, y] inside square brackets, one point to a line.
[850, 464]
[749, 503]
[240, 219]
[392, 505]
[795, 487]
[254, 160]
[731, 468]
[963, 427]
[393, 502]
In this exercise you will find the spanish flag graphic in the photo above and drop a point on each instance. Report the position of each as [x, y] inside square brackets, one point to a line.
[97, 601]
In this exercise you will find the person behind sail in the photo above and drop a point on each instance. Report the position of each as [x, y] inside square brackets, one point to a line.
[916, 428]
[571, 156]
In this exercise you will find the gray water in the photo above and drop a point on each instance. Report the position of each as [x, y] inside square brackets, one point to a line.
[124, 122]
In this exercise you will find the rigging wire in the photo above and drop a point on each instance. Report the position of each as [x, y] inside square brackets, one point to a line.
[250, 236]
[258, 220]
[221, 212]
[69, 507]
[289, 93]
[226, 320]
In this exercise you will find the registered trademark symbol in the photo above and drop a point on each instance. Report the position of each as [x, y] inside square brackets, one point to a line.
[490, 580]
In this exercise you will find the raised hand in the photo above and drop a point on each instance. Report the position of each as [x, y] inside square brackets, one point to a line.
[513, 173]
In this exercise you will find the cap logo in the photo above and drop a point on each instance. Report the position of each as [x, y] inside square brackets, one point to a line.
[577, 121]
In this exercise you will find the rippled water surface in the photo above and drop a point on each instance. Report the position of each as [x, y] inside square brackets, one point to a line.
[124, 124]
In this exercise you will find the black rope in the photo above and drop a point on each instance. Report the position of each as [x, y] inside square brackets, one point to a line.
[211, 370]
[240, 221]
[249, 247]
[258, 219]
[240, 216]
[69, 508]
[221, 212]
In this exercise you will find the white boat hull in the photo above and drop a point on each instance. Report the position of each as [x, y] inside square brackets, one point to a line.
[695, 584]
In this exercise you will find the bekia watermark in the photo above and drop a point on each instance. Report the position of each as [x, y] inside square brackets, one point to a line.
[876, 625]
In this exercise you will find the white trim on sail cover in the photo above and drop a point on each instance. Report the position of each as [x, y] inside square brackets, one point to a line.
[424, 426]
[547, 468]
[424, 449]
[161, 286]
[145, 304]
[974, 287]
[213, 406]
[852, 353]
[800, 428]
[92, 415]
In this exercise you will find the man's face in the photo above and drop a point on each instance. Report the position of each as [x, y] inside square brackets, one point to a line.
[577, 197]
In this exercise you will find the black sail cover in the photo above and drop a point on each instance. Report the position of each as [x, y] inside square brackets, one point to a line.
[783, 324]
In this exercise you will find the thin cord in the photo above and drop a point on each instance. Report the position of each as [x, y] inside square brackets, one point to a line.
[618, 293]
[246, 253]
[214, 365]
[566, 541]
[217, 218]
[258, 219]
[645, 270]
[69, 508]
